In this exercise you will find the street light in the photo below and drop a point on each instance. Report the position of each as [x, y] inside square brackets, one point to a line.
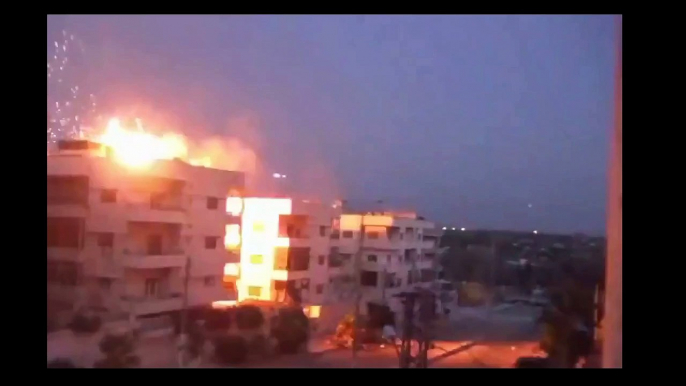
[462, 229]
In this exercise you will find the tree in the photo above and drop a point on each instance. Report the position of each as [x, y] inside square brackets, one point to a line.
[118, 350]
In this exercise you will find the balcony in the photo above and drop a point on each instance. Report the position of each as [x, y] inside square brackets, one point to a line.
[140, 212]
[152, 305]
[429, 244]
[174, 258]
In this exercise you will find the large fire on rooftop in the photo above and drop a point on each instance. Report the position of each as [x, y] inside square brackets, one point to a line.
[135, 147]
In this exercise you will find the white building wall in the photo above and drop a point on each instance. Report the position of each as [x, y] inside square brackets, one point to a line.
[105, 275]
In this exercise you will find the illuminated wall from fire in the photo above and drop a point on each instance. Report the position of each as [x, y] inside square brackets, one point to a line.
[259, 238]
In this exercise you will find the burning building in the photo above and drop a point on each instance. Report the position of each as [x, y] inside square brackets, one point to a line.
[129, 230]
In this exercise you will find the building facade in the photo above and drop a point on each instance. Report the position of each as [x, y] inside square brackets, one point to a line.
[130, 241]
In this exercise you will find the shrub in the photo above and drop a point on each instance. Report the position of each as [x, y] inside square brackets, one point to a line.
[249, 317]
[118, 350]
[260, 346]
[291, 330]
[82, 323]
[220, 319]
[230, 349]
[61, 363]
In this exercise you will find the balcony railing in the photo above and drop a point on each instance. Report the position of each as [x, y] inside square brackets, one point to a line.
[174, 257]
[152, 305]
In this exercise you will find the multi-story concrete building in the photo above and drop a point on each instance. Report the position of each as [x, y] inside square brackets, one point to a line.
[309, 250]
[396, 251]
[130, 240]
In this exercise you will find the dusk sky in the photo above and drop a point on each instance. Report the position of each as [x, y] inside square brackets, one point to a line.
[474, 121]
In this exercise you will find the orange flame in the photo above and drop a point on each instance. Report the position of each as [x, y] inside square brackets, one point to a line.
[137, 148]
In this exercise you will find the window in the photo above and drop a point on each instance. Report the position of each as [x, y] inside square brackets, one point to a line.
[335, 235]
[258, 227]
[371, 258]
[108, 195]
[151, 287]
[388, 259]
[254, 291]
[256, 259]
[322, 231]
[212, 203]
[320, 289]
[369, 278]
[64, 232]
[209, 281]
[322, 259]
[372, 235]
[347, 234]
[106, 240]
[210, 242]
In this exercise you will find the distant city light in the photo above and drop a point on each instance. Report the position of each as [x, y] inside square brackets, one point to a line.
[462, 229]
[535, 232]
[444, 228]
[278, 175]
[453, 228]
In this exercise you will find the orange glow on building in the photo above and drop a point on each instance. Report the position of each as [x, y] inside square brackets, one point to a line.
[234, 205]
[259, 238]
[232, 237]
[232, 269]
[313, 312]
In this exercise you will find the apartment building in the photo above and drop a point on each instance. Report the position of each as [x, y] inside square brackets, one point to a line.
[305, 249]
[397, 252]
[127, 240]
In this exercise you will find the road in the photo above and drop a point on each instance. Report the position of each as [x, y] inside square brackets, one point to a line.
[474, 338]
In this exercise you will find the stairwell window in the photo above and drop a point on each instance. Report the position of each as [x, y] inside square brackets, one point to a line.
[212, 203]
[256, 259]
[347, 234]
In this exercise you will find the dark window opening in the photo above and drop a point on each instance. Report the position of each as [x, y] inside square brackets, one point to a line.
[371, 258]
[320, 289]
[369, 278]
[64, 232]
[347, 234]
[372, 235]
[67, 190]
[210, 242]
[322, 231]
[212, 203]
[322, 259]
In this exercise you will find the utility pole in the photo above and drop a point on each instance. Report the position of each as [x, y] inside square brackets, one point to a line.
[183, 339]
[357, 265]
